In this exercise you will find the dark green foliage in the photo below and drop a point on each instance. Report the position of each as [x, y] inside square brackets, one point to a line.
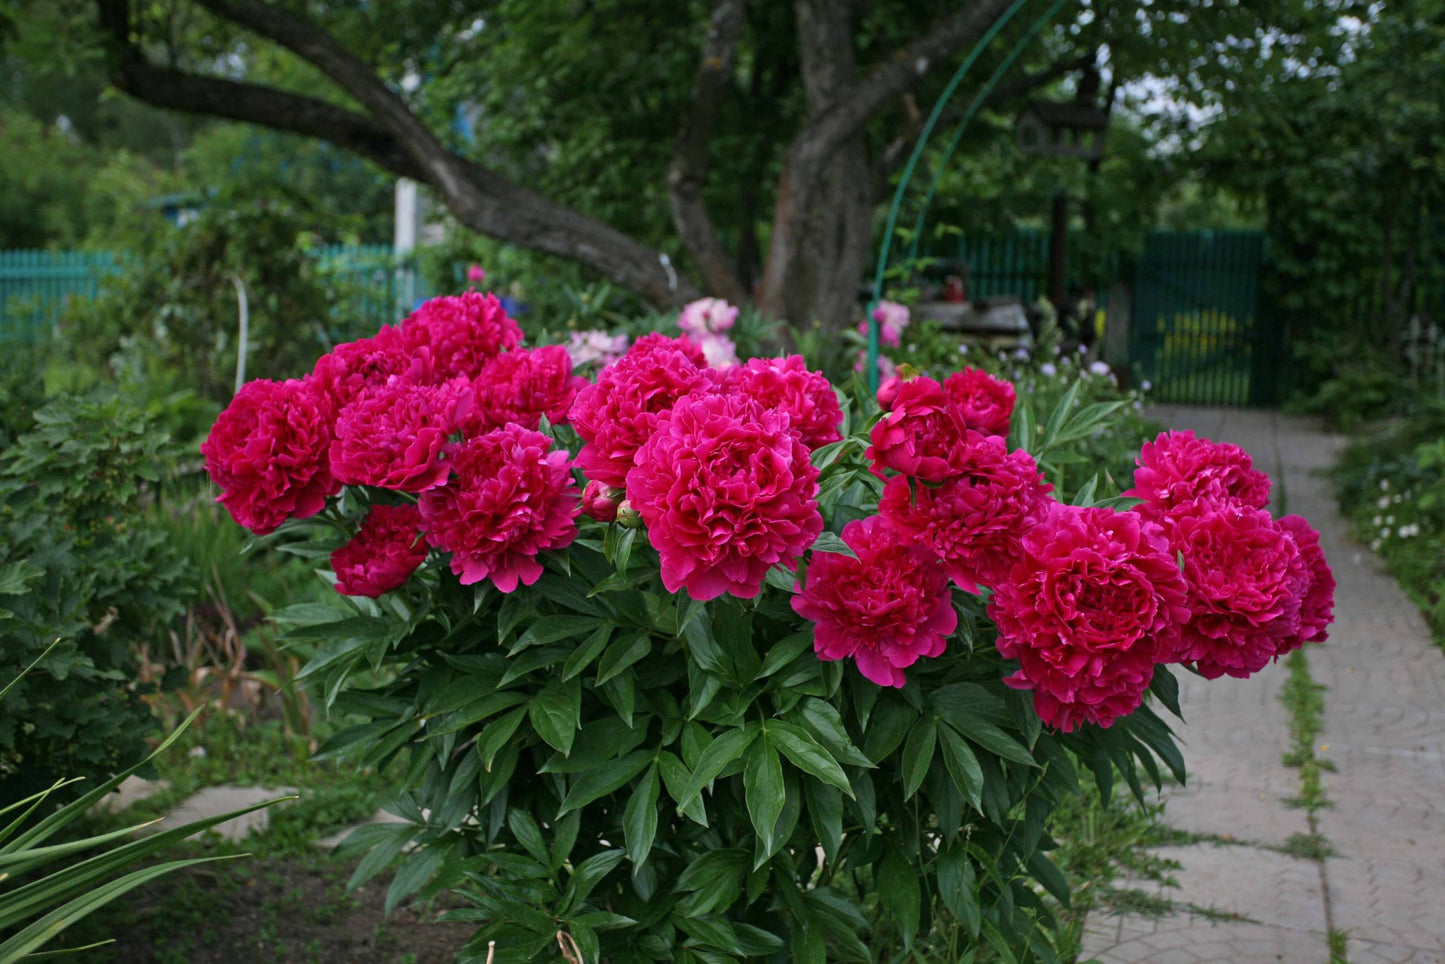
[75, 567]
[676, 781]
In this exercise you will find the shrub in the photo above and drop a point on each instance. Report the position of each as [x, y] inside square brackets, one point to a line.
[76, 566]
[741, 712]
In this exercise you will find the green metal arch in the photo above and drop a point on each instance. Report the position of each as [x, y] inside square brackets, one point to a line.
[907, 176]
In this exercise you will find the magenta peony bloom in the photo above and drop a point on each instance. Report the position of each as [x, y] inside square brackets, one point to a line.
[619, 412]
[979, 401]
[707, 316]
[786, 384]
[383, 554]
[601, 502]
[892, 318]
[655, 341]
[888, 392]
[510, 497]
[523, 386]
[1177, 468]
[462, 332]
[392, 436]
[476, 273]
[585, 347]
[1317, 607]
[352, 367]
[727, 491]
[885, 609]
[268, 453]
[919, 436]
[1094, 603]
[975, 520]
[1247, 579]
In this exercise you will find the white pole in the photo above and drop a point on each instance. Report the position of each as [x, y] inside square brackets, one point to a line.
[245, 333]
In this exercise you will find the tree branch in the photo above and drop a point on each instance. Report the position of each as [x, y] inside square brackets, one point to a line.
[688, 171]
[393, 136]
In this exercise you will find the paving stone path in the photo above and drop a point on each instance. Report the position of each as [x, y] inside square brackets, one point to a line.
[1384, 731]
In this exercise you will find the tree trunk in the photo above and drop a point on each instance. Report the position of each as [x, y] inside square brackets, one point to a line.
[833, 245]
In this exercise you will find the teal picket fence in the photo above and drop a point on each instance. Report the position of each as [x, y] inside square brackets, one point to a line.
[37, 286]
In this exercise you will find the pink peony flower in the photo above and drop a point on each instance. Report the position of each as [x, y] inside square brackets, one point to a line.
[886, 368]
[718, 351]
[476, 274]
[1247, 579]
[707, 316]
[601, 502]
[892, 318]
[655, 341]
[785, 384]
[885, 609]
[888, 392]
[585, 347]
[1317, 607]
[1094, 603]
[619, 412]
[392, 436]
[510, 497]
[350, 368]
[727, 491]
[979, 401]
[919, 436]
[523, 386]
[1177, 468]
[975, 520]
[383, 554]
[268, 453]
[462, 332]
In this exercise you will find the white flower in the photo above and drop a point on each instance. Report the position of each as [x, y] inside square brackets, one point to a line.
[1083, 349]
[1384, 485]
[1378, 521]
[1058, 350]
[1138, 406]
[1375, 546]
[1145, 385]
[963, 349]
[1100, 368]
[1021, 353]
[1385, 533]
[1048, 369]
[1383, 502]
[1389, 520]
[1397, 498]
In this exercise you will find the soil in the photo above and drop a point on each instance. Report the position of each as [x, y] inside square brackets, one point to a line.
[283, 910]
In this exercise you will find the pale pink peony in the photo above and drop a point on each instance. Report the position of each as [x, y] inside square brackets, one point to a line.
[892, 318]
[787, 385]
[268, 452]
[392, 436]
[975, 520]
[979, 401]
[586, 347]
[707, 316]
[619, 412]
[885, 609]
[354, 366]
[886, 368]
[1095, 602]
[1247, 579]
[718, 351]
[727, 491]
[1177, 468]
[524, 386]
[383, 554]
[461, 332]
[510, 497]
[1317, 606]
[919, 437]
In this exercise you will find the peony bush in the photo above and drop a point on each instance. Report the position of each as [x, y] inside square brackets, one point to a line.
[700, 659]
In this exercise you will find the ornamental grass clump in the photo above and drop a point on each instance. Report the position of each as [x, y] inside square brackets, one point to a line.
[721, 663]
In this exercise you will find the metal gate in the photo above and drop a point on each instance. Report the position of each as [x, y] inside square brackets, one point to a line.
[1196, 333]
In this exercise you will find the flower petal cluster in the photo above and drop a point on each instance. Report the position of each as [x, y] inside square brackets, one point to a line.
[727, 491]
[786, 384]
[1178, 468]
[392, 436]
[979, 401]
[892, 318]
[269, 453]
[655, 341]
[461, 332]
[884, 609]
[973, 520]
[1247, 580]
[524, 386]
[619, 412]
[1094, 603]
[707, 316]
[1317, 604]
[919, 436]
[586, 347]
[383, 554]
[352, 367]
[510, 497]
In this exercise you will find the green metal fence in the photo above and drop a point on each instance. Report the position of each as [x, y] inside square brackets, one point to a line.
[36, 287]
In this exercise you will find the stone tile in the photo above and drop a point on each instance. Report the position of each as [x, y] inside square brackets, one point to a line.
[1373, 952]
[1390, 901]
[1200, 941]
[132, 790]
[214, 801]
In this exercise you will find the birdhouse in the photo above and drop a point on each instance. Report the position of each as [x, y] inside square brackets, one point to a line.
[1061, 129]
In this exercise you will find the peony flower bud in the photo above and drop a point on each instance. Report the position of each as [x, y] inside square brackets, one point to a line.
[601, 501]
[627, 516]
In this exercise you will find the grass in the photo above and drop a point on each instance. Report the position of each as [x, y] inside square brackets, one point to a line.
[1304, 700]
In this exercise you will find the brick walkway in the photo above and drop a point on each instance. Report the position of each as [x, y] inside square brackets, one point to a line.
[1384, 730]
